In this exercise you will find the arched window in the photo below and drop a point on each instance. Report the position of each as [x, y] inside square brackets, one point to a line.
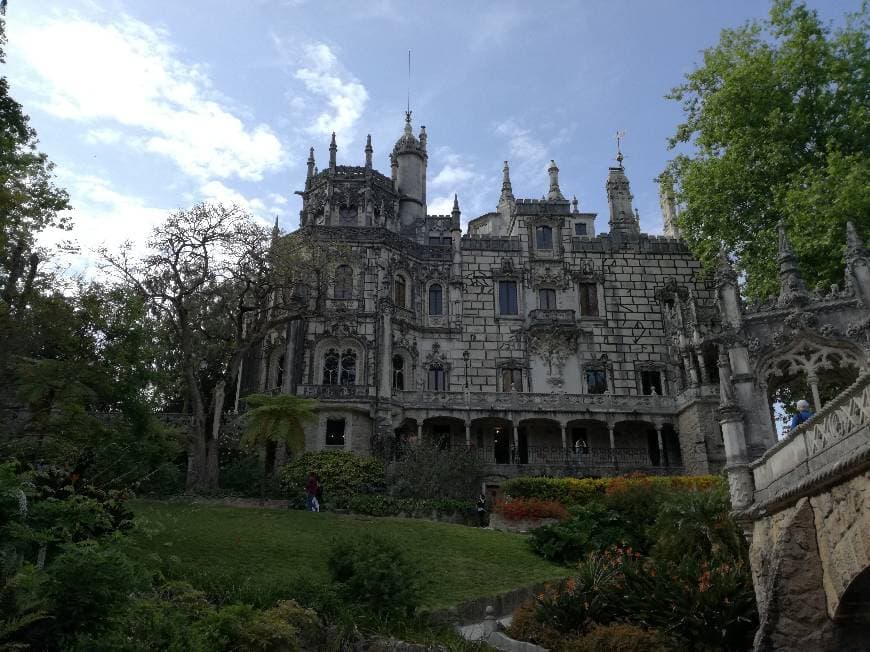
[544, 237]
[343, 282]
[436, 305]
[511, 379]
[437, 378]
[348, 368]
[547, 298]
[398, 372]
[330, 367]
[399, 290]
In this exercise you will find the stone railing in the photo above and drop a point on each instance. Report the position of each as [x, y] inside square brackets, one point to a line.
[830, 443]
[523, 401]
[335, 392]
[548, 315]
[344, 305]
[624, 458]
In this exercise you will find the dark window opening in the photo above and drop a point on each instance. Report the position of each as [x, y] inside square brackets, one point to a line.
[579, 442]
[339, 369]
[437, 241]
[441, 436]
[343, 282]
[544, 237]
[579, 228]
[330, 367]
[348, 368]
[588, 300]
[399, 292]
[507, 298]
[596, 381]
[436, 306]
[347, 215]
[547, 299]
[398, 372]
[335, 432]
[437, 379]
[511, 379]
[651, 382]
[279, 372]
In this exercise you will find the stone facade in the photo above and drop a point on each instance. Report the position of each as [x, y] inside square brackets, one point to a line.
[529, 339]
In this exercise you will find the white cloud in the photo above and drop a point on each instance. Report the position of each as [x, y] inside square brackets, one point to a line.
[454, 176]
[343, 98]
[120, 72]
[103, 136]
[216, 192]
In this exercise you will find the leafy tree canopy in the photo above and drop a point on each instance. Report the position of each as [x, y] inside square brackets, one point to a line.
[778, 117]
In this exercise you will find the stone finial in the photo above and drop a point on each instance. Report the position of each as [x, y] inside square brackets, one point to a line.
[507, 191]
[394, 166]
[668, 204]
[857, 265]
[792, 292]
[310, 162]
[423, 137]
[333, 148]
[622, 215]
[369, 151]
[575, 205]
[553, 171]
[455, 213]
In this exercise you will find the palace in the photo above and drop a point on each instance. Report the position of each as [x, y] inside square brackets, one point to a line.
[533, 339]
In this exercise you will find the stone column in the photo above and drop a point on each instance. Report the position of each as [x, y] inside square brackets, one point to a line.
[813, 380]
[419, 432]
[467, 434]
[691, 372]
[740, 480]
[663, 460]
[516, 439]
[705, 376]
[611, 428]
[565, 439]
[386, 361]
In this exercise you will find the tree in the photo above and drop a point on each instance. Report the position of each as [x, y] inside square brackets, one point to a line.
[29, 200]
[221, 284]
[778, 117]
[275, 419]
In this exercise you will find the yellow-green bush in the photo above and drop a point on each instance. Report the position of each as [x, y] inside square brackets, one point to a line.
[618, 637]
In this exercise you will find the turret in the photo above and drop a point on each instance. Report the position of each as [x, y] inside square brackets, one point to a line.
[554, 193]
[622, 216]
[333, 148]
[792, 291]
[455, 214]
[310, 163]
[369, 151]
[410, 160]
[506, 201]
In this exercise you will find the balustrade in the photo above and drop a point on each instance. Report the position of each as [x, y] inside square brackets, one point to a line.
[343, 392]
[527, 401]
[547, 315]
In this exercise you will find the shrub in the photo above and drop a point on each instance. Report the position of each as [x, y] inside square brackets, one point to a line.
[375, 573]
[426, 471]
[381, 505]
[618, 637]
[339, 472]
[591, 528]
[526, 626]
[521, 509]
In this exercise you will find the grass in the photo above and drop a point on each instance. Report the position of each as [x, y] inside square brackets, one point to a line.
[257, 555]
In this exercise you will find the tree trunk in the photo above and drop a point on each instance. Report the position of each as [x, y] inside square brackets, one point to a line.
[261, 454]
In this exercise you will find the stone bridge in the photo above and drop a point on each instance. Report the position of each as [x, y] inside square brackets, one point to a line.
[810, 530]
[803, 502]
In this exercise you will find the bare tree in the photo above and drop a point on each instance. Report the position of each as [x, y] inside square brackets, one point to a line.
[222, 283]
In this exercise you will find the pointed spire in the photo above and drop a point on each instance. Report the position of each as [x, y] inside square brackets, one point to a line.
[369, 151]
[408, 130]
[622, 216]
[507, 192]
[333, 148]
[575, 205]
[455, 213]
[275, 230]
[792, 291]
[424, 137]
[554, 193]
[310, 162]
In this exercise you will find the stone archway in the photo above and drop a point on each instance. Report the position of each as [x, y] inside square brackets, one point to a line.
[852, 620]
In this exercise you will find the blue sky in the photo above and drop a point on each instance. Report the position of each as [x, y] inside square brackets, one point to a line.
[149, 106]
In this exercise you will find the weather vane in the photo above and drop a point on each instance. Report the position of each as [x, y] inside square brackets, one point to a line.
[620, 136]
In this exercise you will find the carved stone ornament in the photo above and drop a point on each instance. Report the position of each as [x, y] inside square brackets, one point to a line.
[549, 274]
[436, 358]
[553, 345]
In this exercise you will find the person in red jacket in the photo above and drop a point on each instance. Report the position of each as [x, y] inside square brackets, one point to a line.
[311, 493]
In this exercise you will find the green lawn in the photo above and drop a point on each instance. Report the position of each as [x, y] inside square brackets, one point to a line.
[254, 554]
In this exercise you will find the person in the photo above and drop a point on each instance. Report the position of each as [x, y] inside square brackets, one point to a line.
[481, 509]
[803, 414]
[318, 497]
[311, 492]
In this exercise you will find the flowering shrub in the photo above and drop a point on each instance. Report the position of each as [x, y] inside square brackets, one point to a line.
[522, 509]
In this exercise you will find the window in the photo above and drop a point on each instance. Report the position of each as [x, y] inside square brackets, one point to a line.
[438, 241]
[441, 436]
[596, 381]
[347, 215]
[435, 299]
[335, 432]
[511, 379]
[437, 378]
[343, 282]
[588, 300]
[544, 237]
[507, 298]
[348, 368]
[339, 369]
[330, 367]
[651, 382]
[579, 228]
[399, 292]
[547, 299]
[398, 372]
